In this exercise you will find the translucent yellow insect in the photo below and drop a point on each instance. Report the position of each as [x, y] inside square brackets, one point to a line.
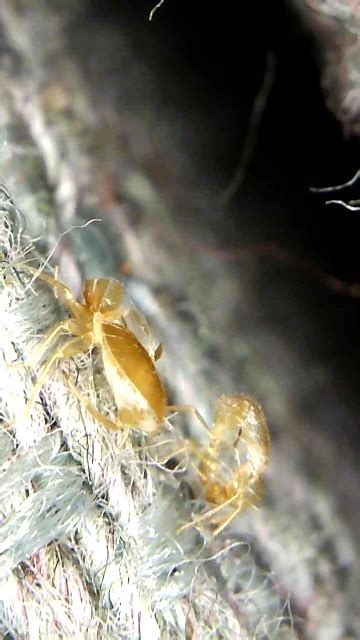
[107, 320]
[232, 465]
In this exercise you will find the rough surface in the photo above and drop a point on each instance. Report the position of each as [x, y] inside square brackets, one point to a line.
[76, 148]
[336, 28]
[90, 536]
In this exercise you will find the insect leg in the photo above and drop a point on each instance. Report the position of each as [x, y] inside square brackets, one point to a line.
[184, 408]
[41, 348]
[71, 348]
[210, 513]
[94, 412]
[61, 291]
[228, 520]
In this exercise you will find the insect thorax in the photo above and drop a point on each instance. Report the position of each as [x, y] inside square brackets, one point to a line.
[103, 294]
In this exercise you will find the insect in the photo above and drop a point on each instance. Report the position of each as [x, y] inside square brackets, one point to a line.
[107, 320]
[233, 462]
[230, 466]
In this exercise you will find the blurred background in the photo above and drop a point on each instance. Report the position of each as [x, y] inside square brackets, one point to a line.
[247, 106]
[197, 136]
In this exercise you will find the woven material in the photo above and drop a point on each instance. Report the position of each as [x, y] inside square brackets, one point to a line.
[336, 27]
[88, 544]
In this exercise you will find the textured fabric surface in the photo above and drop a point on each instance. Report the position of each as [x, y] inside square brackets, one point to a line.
[336, 27]
[85, 135]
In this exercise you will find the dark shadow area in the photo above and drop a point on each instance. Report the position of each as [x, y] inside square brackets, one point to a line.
[210, 65]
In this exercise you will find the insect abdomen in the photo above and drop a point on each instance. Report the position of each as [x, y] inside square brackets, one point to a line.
[127, 363]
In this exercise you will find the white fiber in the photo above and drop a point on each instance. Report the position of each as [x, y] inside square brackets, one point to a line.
[89, 539]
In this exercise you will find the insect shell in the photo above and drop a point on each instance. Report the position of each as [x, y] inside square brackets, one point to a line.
[231, 466]
[121, 333]
[107, 320]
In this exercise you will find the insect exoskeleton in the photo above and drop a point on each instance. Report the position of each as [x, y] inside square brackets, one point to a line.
[110, 298]
[231, 466]
[120, 331]
[137, 388]
[108, 321]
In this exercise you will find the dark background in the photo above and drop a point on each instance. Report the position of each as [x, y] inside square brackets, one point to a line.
[219, 52]
[211, 61]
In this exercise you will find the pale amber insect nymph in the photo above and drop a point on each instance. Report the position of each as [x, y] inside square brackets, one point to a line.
[108, 321]
[232, 464]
